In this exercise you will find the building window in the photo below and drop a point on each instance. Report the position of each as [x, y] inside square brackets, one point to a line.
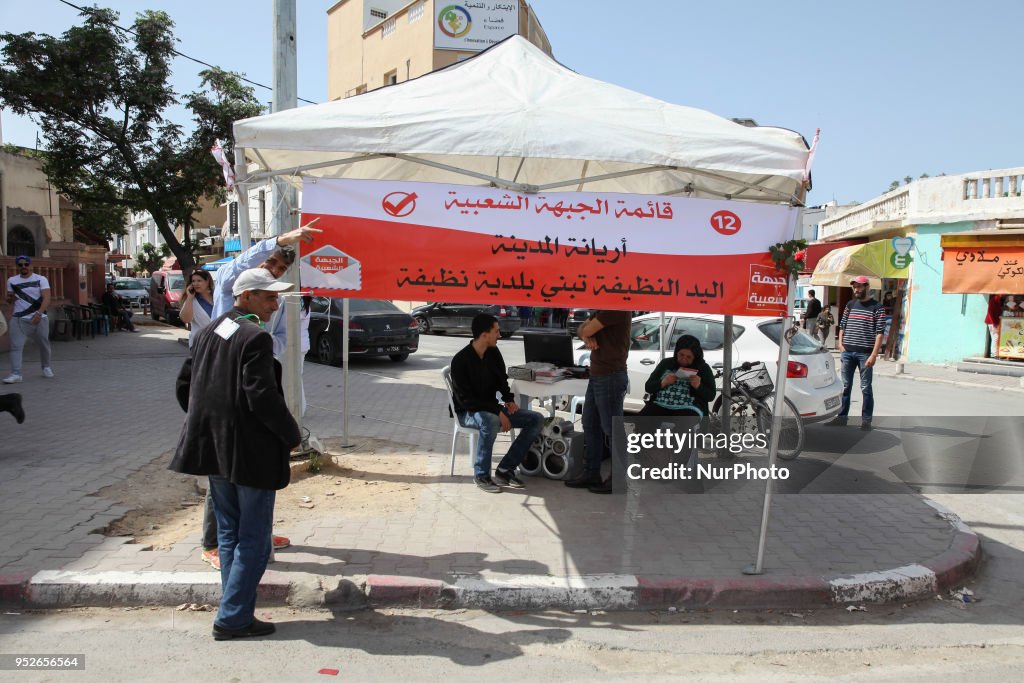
[20, 242]
[391, 77]
[416, 11]
[388, 28]
[378, 13]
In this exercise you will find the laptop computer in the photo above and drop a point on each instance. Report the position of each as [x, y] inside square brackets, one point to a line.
[549, 347]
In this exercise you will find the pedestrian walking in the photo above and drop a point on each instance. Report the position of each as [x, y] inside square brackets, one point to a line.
[811, 314]
[10, 403]
[30, 294]
[860, 338]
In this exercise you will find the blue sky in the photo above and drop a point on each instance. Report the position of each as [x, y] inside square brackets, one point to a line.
[898, 88]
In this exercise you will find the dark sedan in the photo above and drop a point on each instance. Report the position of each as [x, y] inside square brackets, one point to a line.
[578, 316]
[441, 317]
[375, 328]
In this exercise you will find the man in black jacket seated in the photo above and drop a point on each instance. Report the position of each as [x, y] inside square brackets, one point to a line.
[478, 375]
[239, 432]
[115, 308]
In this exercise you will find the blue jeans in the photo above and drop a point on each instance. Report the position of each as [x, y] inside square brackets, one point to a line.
[856, 360]
[529, 424]
[601, 406]
[245, 518]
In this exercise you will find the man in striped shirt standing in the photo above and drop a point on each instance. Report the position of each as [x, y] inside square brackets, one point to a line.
[860, 338]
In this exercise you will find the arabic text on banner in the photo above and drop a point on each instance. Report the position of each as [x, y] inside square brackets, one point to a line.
[454, 243]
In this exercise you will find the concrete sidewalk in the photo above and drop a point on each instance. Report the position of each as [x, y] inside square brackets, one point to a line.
[111, 411]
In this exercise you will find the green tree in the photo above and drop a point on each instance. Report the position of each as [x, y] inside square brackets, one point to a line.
[151, 257]
[101, 96]
[894, 185]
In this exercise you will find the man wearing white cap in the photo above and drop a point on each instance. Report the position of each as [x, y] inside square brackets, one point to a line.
[860, 338]
[239, 432]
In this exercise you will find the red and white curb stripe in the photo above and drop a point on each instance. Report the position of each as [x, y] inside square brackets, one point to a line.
[49, 589]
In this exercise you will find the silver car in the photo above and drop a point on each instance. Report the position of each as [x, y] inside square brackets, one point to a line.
[132, 291]
[812, 384]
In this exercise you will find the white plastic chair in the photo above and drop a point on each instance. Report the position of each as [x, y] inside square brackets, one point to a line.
[574, 405]
[470, 432]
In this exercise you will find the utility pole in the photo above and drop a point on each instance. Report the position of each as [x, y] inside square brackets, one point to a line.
[285, 198]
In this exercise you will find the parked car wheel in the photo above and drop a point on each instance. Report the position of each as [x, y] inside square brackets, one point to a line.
[422, 324]
[399, 357]
[325, 349]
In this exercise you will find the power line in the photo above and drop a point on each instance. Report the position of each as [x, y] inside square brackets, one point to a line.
[182, 54]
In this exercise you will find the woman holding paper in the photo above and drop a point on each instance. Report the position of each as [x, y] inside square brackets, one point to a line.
[681, 385]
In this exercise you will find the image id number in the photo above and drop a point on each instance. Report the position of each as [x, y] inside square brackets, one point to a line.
[41, 662]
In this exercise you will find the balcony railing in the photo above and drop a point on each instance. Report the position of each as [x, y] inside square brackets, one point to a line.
[996, 195]
[993, 186]
[889, 207]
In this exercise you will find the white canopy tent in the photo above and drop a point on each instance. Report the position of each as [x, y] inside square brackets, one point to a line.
[512, 117]
[515, 118]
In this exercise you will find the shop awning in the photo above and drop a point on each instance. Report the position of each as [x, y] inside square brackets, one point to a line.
[215, 265]
[874, 260]
[983, 262]
[819, 250]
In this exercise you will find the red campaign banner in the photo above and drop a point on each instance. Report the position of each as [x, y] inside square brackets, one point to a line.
[453, 243]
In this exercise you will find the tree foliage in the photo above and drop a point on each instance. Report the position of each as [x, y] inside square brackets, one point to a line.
[102, 98]
[151, 257]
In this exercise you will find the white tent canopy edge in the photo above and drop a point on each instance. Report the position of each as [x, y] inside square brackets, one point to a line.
[513, 117]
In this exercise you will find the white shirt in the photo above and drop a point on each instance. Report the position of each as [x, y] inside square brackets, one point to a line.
[28, 294]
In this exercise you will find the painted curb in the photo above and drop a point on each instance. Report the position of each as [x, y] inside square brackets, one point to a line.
[755, 592]
[52, 589]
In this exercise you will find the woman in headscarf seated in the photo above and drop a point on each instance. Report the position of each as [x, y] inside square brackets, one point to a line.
[682, 384]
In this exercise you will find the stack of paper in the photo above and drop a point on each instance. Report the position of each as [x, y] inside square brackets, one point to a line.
[550, 375]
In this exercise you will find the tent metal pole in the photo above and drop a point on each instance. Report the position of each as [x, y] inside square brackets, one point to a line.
[242, 182]
[726, 384]
[498, 182]
[299, 170]
[780, 401]
[344, 372]
[661, 334]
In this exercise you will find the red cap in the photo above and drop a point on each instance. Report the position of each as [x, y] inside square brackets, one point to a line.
[859, 280]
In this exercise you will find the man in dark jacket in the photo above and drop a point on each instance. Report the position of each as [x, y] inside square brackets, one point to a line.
[239, 432]
[478, 376]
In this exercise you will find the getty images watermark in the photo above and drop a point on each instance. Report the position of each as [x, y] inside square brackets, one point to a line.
[670, 452]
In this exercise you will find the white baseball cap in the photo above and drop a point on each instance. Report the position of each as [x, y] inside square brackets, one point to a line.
[258, 279]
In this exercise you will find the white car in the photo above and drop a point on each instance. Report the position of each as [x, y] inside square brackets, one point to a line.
[812, 382]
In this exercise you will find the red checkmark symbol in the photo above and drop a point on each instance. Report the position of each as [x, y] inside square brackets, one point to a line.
[399, 203]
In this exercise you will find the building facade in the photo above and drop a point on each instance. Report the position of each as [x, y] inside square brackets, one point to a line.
[374, 43]
[976, 208]
[33, 213]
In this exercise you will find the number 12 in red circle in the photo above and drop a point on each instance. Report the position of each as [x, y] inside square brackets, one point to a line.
[726, 222]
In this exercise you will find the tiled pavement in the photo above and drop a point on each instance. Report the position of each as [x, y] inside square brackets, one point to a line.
[111, 411]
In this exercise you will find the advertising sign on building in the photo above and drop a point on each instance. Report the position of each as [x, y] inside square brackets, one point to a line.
[474, 26]
[457, 243]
